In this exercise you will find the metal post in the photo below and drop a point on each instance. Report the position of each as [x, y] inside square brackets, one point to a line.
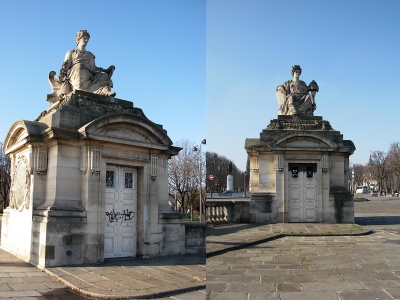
[244, 183]
[203, 142]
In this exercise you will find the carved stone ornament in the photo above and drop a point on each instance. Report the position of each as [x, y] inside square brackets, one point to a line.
[300, 124]
[20, 185]
[84, 101]
[88, 103]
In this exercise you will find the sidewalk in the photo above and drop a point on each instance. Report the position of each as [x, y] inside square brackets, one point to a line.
[115, 279]
[135, 278]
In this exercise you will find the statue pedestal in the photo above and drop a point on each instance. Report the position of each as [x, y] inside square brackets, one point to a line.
[90, 182]
[299, 172]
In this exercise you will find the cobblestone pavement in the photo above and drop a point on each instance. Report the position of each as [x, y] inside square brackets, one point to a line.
[223, 238]
[21, 280]
[168, 278]
[140, 278]
[320, 267]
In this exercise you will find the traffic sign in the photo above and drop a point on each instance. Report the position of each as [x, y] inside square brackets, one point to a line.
[211, 177]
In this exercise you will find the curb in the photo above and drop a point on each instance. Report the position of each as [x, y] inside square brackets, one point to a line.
[278, 236]
[80, 291]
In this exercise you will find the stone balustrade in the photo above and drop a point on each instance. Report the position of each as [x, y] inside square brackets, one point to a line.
[227, 210]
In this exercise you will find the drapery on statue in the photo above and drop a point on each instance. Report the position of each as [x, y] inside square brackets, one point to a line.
[79, 72]
[295, 97]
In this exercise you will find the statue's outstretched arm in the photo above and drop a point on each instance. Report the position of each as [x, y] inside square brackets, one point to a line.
[281, 97]
[67, 63]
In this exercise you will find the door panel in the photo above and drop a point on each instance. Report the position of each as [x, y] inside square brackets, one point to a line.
[120, 233]
[302, 190]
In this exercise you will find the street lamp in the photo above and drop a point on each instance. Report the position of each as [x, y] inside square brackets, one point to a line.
[244, 183]
[203, 142]
[212, 172]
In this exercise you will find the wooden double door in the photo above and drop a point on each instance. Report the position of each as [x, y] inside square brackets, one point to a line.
[120, 232]
[302, 193]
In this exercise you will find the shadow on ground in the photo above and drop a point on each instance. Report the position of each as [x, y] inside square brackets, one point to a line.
[229, 228]
[377, 220]
[62, 294]
[154, 261]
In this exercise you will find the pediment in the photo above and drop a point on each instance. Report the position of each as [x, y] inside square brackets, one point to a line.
[304, 141]
[126, 129]
[126, 132]
[20, 132]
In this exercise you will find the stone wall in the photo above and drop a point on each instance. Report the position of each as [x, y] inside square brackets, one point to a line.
[195, 238]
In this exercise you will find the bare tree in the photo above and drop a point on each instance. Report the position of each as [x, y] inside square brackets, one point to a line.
[183, 176]
[393, 165]
[5, 178]
[378, 167]
[359, 173]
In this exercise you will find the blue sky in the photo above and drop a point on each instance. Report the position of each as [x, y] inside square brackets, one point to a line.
[210, 68]
[157, 47]
[350, 48]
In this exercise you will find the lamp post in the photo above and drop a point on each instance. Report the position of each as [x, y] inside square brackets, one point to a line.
[203, 142]
[244, 183]
[212, 172]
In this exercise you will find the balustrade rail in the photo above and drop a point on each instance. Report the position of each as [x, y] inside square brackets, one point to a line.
[227, 210]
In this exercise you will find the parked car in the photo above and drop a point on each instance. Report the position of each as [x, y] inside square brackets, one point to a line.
[362, 189]
[359, 190]
[374, 193]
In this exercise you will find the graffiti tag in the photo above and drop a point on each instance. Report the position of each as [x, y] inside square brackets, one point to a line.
[126, 215]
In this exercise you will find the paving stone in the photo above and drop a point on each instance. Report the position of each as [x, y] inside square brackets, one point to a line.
[11, 280]
[288, 287]
[250, 287]
[271, 278]
[338, 286]
[216, 286]
[364, 294]
[227, 296]
[20, 294]
[395, 293]
[360, 276]
[328, 278]
[28, 286]
[140, 285]
[298, 279]
[379, 284]
[327, 272]
[4, 287]
[196, 295]
[263, 296]
[326, 295]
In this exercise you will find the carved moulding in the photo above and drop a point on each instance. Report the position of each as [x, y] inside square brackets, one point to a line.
[20, 184]
[90, 158]
[325, 163]
[254, 164]
[279, 161]
[300, 124]
[38, 158]
[153, 166]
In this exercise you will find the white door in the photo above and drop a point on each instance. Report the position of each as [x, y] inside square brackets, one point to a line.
[120, 230]
[302, 190]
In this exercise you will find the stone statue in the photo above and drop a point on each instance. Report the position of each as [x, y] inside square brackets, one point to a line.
[295, 97]
[79, 72]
